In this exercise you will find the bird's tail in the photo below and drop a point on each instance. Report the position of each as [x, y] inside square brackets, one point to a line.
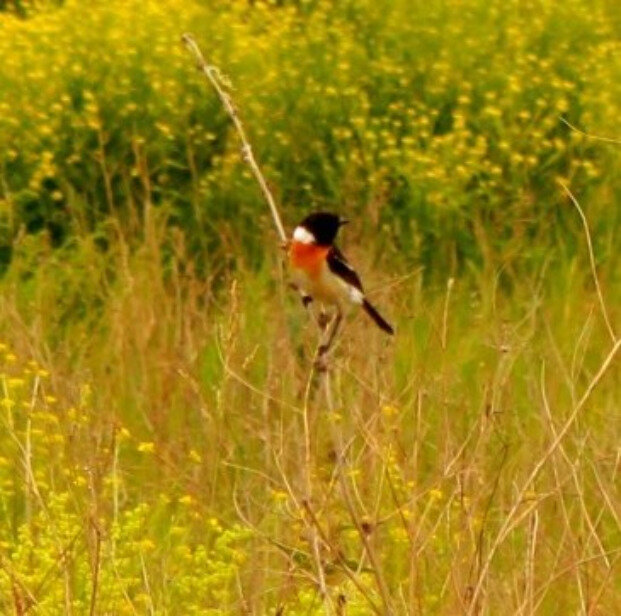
[377, 317]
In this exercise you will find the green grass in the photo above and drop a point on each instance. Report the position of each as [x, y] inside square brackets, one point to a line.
[165, 446]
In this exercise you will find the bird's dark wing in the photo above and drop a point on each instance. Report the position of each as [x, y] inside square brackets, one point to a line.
[338, 265]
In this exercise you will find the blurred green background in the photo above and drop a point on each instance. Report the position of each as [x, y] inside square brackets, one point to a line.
[438, 123]
[162, 438]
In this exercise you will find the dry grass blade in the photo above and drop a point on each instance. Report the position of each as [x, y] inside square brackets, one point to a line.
[171, 434]
[588, 135]
[215, 79]
[587, 233]
[509, 522]
[341, 560]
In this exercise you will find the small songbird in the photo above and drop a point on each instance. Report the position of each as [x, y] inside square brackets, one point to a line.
[321, 272]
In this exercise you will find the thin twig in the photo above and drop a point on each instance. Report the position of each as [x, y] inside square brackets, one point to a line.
[478, 554]
[341, 559]
[592, 261]
[382, 587]
[315, 533]
[588, 135]
[96, 567]
[509, 522]
[23, 598]
[447, 299]
[572, 466]
[313, 538]
[215, 79]
[540, 593]
[320, 365]
[559, 483]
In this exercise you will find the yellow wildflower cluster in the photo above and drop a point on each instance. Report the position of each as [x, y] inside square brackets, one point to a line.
[435, 110]
[60, 497]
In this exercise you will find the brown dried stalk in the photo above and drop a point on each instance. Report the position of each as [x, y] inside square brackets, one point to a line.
[587, 234]
[214, 77]
[511, 520]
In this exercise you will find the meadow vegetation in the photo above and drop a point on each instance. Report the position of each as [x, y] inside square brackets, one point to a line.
[166, 447]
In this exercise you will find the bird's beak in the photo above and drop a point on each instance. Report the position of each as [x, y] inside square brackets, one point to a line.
[343, 221]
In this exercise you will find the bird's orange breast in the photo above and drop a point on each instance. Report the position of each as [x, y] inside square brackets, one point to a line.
[308, 257]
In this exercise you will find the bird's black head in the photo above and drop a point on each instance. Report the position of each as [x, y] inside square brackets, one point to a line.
[324, 226]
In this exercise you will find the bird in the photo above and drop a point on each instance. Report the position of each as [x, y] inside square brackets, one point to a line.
[320, 271]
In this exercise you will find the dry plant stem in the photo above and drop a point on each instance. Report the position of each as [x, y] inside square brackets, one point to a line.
[61, 559]
[337, 553]
[375, 565]
[96, 568]
[478, 555]
[529, 599]
[607, 498]
[587, 233]
[510, 520]
[541, 592]
[33, 488]
[559, 490]
[115, 491]
[147, 585]
[588, 135]
[213, 76]
[310, 520]
[449, 288]
[572, 466]
[23, 598]
[242, 381]
[286, 549]
[101, 142]
[329, 335]
[312, 527]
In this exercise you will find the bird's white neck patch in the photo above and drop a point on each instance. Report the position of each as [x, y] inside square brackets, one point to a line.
[303, 235]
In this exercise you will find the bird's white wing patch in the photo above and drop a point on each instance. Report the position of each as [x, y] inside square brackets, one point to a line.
[356, 296]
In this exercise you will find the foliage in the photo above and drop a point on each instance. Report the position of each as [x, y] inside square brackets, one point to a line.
[164, 446]
[438, 120]
[68, 528]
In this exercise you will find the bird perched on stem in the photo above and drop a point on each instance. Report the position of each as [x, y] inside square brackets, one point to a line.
[321, 272]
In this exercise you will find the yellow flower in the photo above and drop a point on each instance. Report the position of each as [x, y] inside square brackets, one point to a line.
[399, 534]
[435, 494]
[7, 403]
[146, 447]
[146, 545]
[279, 495]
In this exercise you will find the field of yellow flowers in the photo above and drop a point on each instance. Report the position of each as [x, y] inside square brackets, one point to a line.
[165, 447]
